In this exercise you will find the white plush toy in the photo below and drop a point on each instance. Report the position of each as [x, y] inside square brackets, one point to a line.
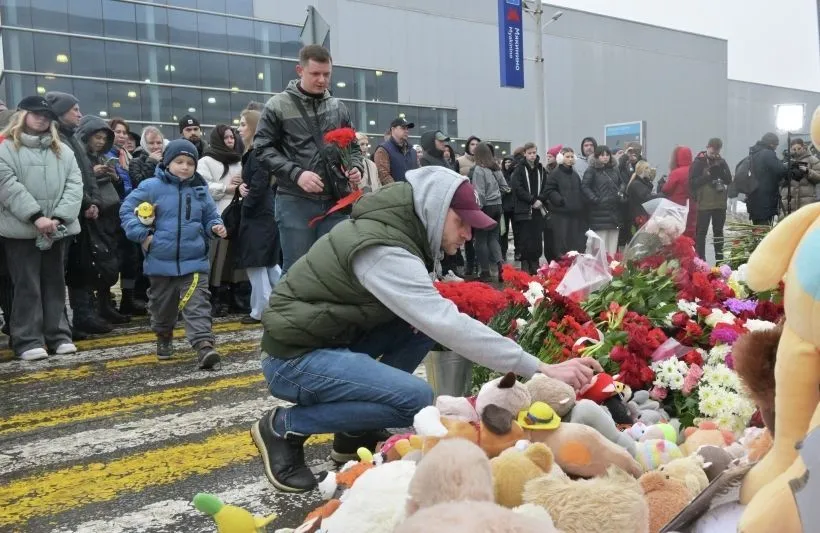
[427, 423]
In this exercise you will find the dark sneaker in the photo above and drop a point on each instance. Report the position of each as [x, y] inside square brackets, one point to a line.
[248, 319]
[346, 444]
[92, 324]
[283, 457]
[165, 347]
[207, 357]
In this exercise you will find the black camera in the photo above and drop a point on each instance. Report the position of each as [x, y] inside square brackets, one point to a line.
[798, 170]
[718, 185]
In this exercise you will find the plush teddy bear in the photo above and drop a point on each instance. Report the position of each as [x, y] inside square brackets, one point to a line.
[475, 517]
[716, 460]
[611, 502]
[514, 468]
[579, 450]
[788, 253]
[665, 496]
[645, 409]
[491, 442]
[754, 355]
[689, 471]
[707, 432]
[654, 453]
[557, 394]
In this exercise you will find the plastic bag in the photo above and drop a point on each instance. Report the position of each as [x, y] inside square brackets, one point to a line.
[667, 223]
[589, 272]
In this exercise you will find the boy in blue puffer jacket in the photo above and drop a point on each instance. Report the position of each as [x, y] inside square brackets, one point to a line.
[176, 249]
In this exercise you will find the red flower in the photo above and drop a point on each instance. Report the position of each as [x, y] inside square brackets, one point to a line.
[341, 137]
[693, 358]
[767, 310]
[517, 279]
[680, 319]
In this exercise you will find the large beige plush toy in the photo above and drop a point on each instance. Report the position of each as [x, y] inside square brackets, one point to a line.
[790, 252]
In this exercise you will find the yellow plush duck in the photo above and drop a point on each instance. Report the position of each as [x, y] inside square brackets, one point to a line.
[229, 518]
[790, 252]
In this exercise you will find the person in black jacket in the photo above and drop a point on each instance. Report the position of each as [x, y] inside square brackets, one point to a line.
[433, 143]
[259, 252]
[639, 191]
[769, 171]
[528, 188]
[565, 201]
[602, 187]
[508, 208]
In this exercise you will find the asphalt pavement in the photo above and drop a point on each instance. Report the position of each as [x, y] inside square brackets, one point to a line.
[112, 440]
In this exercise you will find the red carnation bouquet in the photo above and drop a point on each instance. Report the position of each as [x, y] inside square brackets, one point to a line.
[342, 139]
[335, 159]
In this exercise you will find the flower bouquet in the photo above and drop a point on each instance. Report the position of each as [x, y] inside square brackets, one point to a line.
[667, 223]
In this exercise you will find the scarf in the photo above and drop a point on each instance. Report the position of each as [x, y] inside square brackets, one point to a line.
[219, 151]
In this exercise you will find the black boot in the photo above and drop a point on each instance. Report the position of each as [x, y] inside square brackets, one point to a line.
[108, 310]
[283, 457]
[86, 319]
[207, 357]
[345, 445]
[130, 305]
[241, 297]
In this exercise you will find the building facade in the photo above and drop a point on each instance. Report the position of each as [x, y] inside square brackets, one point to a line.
[152, 62]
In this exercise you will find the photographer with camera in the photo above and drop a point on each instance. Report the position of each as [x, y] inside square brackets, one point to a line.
[767, 172]
[709, 178]
[800, 186]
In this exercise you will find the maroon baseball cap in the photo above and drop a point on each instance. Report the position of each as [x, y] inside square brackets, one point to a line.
[465, 203]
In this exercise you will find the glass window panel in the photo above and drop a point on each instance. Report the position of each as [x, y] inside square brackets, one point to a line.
[184, 67]
[125, 101]
[16, 13]
[154, 63]
[86, 48]
[50, 83]
[367, 85]
[452, 122]
[384, 115]
[216, 107]
[19, 50]
[239, 101]
[183, 3]
[119, 61]
[49, 14]
[93, 97]
[240, 35]
[84, 16]
[120, 19]
[182, 28]
[52, 54]
[242, 8]
[211, 5]
[290, 40]
[411, 114]
[212, 69]
[18, 86]
[343, 82]
[212, 32]
[387, 86]
[355, 115]
[268, 38]
[152, 97]
[152, 24]
[427, 119]
[269, 75]
[182, 100]
[242, 72]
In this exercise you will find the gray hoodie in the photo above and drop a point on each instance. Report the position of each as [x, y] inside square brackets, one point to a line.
[401, 282]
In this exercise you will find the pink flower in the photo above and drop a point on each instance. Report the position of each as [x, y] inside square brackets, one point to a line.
[690, 382]
[658, 393]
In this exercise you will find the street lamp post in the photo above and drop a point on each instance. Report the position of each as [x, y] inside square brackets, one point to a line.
[536, 9]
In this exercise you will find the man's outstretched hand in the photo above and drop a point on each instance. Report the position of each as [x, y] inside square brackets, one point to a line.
[575, 372]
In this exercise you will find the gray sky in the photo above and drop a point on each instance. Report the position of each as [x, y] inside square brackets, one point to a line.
[762, 35]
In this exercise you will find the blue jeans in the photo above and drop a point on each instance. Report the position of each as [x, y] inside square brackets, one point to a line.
[340, 390]
[292, 216]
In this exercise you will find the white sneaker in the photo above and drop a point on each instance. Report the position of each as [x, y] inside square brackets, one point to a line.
[35, 354]
[65, 349]
[449, 276]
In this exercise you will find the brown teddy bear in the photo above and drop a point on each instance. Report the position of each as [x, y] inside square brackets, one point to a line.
[612, 502]
[755, 355]
[665, 496]
[514, 468]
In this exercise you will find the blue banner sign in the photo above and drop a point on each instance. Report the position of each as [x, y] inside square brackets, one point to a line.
[617, 136]
[511, 43]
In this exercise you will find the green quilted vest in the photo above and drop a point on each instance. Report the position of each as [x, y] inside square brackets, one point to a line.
[319, 303]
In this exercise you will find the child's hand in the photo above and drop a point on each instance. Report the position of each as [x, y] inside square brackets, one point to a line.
[220, 231]
[147, 243]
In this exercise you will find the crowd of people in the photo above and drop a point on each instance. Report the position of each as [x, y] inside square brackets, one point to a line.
[71, 184]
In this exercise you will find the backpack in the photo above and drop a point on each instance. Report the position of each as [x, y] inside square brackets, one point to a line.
[745, 182]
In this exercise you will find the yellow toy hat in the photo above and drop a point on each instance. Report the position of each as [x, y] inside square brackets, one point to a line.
[539, 416]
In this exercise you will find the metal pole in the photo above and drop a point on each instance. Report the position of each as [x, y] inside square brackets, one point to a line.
[540, 93]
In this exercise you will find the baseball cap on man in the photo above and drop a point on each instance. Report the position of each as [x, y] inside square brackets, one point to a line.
[442, 137]
[465, 204]
[401, 123]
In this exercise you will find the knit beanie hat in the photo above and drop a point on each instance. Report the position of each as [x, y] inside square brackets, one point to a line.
[186, 121]
[555, 150]
[61, 103]
[770, 139]
[179, 147]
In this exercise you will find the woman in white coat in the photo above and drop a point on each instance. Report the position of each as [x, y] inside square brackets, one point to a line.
[222, 168]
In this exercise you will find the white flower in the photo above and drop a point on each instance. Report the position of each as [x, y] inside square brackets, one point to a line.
[614, 264]
[670, 373]
[520, 323]
[759, 325]
[534, 292]
[740, 274]
[717, 317]
[572, 253]
[690, 308]
[717, 355]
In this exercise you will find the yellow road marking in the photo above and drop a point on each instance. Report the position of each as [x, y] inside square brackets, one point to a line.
[120, 405]
[77, 486]
[116, 341]
[228, 348]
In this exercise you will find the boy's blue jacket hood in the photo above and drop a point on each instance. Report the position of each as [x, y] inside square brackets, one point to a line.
[182, 230]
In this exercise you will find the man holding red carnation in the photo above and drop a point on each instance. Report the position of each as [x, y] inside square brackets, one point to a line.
[357, 314]
[291, 131]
